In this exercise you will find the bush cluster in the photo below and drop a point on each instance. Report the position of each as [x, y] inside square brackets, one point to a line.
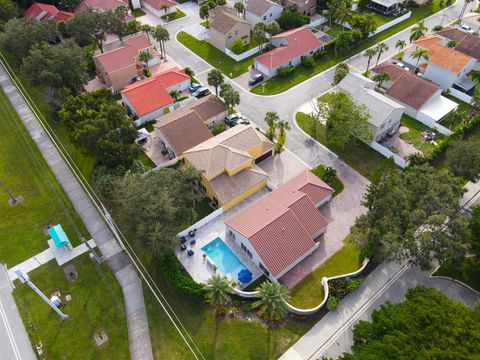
[285, 71]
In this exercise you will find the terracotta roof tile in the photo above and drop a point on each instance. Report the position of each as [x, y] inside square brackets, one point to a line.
[159, 4]
[468, 44]
[300, 41]
[52, 13]
[149, 96]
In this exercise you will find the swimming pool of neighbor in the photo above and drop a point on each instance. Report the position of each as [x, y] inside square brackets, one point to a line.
[226, 261]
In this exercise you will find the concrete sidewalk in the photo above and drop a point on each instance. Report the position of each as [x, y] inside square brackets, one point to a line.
[138, 331]
[14, 342]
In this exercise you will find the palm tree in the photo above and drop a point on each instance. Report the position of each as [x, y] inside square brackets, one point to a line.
[330, 11]
[369, 53]
[161, 35]
[418, 31]
[282, 125]
[400, 44]
[380, 49]
[218, 293]
[419, 54]
[380, 78]
[271, 303]
[215, 78]
[145, 56]
[272, 119]
[147, 29]
[239, 7]
[343, 12]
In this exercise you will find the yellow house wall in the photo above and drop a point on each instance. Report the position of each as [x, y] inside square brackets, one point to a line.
[256, 151]
[245, 195]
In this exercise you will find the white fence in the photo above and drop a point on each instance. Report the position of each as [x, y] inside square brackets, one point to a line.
[202, 222]
[244, 55]
[388, 154]
[320, 21]
[161, 166]
[432, 124]
[392, 23]
[460, 95]
[184, 102]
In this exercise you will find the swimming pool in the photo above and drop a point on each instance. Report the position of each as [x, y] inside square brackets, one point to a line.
[225, 260]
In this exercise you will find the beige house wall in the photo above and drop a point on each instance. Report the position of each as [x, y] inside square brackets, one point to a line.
[224, 41]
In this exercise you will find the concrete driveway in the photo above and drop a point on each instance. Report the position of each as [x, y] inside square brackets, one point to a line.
[401, 147]
[243, 79]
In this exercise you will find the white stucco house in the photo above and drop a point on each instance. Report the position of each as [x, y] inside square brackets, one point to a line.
[262, 11]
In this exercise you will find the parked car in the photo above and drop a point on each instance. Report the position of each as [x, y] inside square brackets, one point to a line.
[232, 119]
[195, 86]
[201, 92]
[402, 65]
[466, 28]
[255, 79]
[242, 121]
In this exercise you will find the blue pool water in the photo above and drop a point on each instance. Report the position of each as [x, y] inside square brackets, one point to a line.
[224, 259]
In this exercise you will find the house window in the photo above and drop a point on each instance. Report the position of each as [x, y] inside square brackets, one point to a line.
[244, 248]
[264, 269]
[232, 235]
[290, 63]
[229, 36]
[215, 200]
[311, 52]
[236, 32]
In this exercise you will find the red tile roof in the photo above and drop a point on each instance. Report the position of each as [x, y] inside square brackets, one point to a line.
[123, 56]
[51, 13]
[281, 226]
[300, 42]
[159, 4]
[87, 5]
[468, 44]
[151, 94]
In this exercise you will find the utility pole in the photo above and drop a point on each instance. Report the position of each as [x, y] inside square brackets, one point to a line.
[12, 199]
[24, 278]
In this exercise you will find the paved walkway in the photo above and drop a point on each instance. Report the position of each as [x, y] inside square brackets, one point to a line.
[138, 332]
[332, 335]
[14, 342]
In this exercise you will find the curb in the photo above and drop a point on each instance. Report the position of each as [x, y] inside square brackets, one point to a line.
[432, 276]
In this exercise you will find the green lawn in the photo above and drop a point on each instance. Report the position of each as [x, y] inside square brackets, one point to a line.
[335, 30]
[358, 155]
[380, 18]
[205, 24]
[92, 309]
[24, 171]
[415, 134]
[309, 293]
[277, 85]
[468, 272]
[336, 184]
[174, 16]
[138, 12]
[215, 57]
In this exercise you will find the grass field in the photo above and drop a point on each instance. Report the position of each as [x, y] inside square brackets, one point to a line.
[174, 16]
[215, 57]
[24, 171]
[277, 85]
[92, 309]
[309, 293]
[414, 135]
[358, 155]
[336, 184]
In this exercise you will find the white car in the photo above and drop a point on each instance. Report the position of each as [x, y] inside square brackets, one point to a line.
[402, 65]
[466, 28]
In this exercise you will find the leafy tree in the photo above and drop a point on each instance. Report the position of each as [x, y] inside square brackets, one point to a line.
[100, 127]
[259, 33]
[340, 72]
[271, 303]
[419, 54]
[412, 216]
[218, 293]
[162, 35]
[291, 20]
[427, 325]
[204, 13]
[345, 120]
[133, 27]
[463, 159]
[239, 7]
[308, 61]
[451, 44]
[343, 12]
[237, 46]
[153, 207]
[380, 78]
[272, 28]
[8, 10]
[400, 44]
[230, 96]
[215, 78]
[57, 66]
[418, 31]
[366, 23]
[271, 119]
[19, 36]
[369, 53]
[175, 94]
[118, 26]
[362, 4]
[380, 49]
[475, 102]
[332, 303]
[145, 56]
[474, 226]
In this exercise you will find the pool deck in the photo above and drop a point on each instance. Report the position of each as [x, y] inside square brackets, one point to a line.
[199, 267]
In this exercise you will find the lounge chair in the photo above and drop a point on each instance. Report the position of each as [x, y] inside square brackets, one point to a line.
[183, 240]
[190, 252]
[193, 242]
[183, 247]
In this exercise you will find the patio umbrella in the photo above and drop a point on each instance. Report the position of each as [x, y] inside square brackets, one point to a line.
[244, 276]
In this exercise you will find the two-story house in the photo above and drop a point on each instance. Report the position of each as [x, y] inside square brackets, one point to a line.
[262, 11]
[226, 27]
[228, 164]
[305, 7]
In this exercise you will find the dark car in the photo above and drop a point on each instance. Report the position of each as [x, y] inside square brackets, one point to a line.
[231, 120]
[255, 79]
[201, 92]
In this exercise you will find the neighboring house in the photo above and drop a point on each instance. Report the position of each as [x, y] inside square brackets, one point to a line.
[305, 7]
[226, 27]
[45, 12]
[422, 99]
[262, 11]
[181, 130]
[386, 7]
[210, 108]
[445, 66]
[291, 46]
[150, 98]
[228, 164]
[160, 7]
[385, 114]
[119, 67]
[282, 228]
[105, 5]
